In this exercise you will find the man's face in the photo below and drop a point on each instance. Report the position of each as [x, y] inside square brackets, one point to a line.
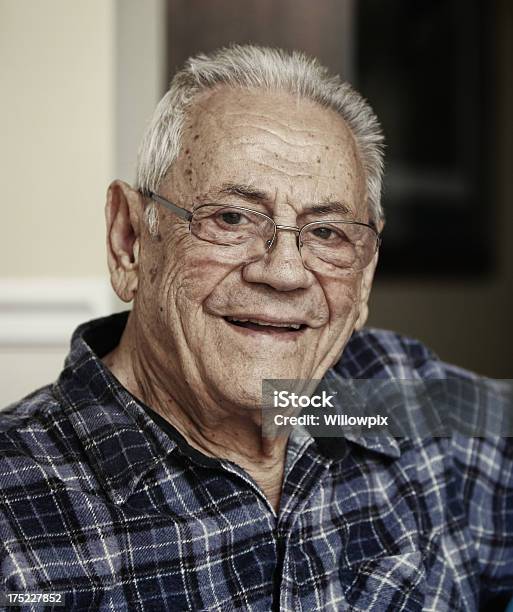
[275, 154]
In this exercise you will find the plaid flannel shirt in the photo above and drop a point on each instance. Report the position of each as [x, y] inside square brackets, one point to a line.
[108, 504]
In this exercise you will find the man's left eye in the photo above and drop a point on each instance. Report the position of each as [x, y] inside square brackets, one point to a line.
[232, 218]
[323, 232]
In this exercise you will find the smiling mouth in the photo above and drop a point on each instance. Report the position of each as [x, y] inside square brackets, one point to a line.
[265, 327]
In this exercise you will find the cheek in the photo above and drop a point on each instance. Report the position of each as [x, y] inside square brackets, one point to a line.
[192, 274]
[175, 283]
[342, 297]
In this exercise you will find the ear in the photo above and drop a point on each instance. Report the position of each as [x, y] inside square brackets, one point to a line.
[367, 278]
[123, 216]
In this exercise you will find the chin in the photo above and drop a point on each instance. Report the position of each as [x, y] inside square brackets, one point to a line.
[242, 385]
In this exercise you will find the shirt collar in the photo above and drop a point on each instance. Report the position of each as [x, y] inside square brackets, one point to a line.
[122, 443]
[383, 443]
[119, 437]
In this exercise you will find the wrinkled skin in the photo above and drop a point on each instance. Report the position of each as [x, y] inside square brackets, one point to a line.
[178, 353]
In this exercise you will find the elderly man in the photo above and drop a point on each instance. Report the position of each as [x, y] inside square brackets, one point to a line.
[140, 480]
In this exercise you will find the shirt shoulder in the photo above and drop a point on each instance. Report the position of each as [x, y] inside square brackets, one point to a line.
[37, 443]
[32, 401]
[19, 418]
[379, 353]
[480, 466]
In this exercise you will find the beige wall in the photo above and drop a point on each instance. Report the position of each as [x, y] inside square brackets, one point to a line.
[79, 81]
[57, 154]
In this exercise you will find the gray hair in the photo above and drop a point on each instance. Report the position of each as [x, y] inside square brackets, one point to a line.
[250, 66]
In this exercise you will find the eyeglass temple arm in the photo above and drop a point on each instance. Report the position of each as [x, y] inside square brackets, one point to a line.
[181, 212]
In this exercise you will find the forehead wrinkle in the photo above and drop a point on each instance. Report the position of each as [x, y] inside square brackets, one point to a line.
[259, 139]
[310, 154]
[284, 126]
[267, 132]
[292, 175]
[271, 143]
[264, 148]
[313, 115]
[291, 137]
[342, 138]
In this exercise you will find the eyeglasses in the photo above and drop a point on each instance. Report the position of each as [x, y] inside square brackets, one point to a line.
[245, 235]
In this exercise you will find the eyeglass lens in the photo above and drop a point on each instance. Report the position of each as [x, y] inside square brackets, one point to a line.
[325, 246]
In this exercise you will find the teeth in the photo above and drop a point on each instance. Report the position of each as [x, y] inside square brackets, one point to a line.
[293, 325]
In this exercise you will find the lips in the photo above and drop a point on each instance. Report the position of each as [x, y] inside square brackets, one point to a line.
[264, 325]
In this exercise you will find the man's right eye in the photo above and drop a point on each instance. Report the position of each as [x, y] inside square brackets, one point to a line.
[232, 218]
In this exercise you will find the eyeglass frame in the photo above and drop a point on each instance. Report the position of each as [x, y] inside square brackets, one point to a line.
[188, 215]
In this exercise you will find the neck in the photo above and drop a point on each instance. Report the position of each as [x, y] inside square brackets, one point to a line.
[224, 432]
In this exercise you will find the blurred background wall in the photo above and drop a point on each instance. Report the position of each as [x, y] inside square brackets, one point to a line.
[79, 81]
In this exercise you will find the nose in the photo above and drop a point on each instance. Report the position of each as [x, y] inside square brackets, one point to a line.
[281, 267]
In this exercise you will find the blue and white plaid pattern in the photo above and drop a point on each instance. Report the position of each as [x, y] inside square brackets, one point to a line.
[98, 501]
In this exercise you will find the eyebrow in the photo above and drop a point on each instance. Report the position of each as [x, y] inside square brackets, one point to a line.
[253, 194]
[248, 192]
[325, 208]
